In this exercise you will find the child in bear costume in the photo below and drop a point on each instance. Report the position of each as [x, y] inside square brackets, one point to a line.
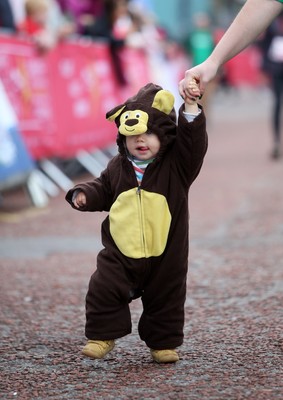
[145, 236]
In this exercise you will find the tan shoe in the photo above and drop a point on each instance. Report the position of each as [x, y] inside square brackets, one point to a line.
[164, 356]
[98, 348]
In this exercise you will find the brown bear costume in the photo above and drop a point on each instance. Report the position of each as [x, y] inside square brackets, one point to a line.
[145, 235]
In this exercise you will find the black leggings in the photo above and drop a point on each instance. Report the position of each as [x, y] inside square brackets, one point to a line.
[277, 90]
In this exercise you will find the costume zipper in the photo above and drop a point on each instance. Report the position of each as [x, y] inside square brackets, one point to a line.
[138, 192]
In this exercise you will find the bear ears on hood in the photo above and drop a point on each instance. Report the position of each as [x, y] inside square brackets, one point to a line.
[142, 112]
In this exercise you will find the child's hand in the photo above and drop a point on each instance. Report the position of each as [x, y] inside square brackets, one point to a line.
[80, 200]
[191, 105]
[193, 87]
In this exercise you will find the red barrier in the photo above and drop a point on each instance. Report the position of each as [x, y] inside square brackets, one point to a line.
[244, 69]
[61, 98]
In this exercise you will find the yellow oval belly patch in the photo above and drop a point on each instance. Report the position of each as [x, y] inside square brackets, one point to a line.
[140, 223]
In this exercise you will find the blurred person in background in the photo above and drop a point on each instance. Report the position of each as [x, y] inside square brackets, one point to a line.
[164, 54]
[35, 24]
[58, 23]
[272, 49]
[200, 42]
[45, 22]
[144, 33]
[253, 18]
[199, 46]
[82, 12]
[18, 9]
[114, 25]
[6, 16]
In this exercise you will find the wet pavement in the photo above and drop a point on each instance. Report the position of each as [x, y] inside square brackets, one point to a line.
[233, 333]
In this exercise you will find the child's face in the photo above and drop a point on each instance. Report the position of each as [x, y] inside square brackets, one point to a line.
[144, 146]
[40, 16]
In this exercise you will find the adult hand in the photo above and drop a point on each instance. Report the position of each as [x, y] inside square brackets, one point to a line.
[202, 74]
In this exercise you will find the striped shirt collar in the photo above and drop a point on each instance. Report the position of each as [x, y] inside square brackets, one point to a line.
[139, 167]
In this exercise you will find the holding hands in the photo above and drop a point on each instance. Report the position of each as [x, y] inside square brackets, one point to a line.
[190, 97]
[201, 74]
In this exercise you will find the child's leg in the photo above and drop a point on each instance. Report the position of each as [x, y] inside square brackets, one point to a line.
[107, 310]
[162, 322]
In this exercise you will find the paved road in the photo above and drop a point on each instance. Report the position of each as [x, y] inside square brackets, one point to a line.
[233, 335]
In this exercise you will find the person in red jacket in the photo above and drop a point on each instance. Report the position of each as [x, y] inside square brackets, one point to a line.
[35, 24]
[36, 17]
[145, 237]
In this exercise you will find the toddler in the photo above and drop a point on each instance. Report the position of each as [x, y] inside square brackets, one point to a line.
[145, 236]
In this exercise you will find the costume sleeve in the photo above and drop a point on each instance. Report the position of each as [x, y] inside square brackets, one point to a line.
[98, 194]
[190, 146]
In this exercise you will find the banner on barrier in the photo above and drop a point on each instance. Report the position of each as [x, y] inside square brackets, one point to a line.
[15, 162]
[61, 98]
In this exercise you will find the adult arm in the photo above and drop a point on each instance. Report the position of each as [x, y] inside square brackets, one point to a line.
[253, 18]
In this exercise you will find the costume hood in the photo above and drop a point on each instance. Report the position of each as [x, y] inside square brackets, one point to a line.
[150, 110]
